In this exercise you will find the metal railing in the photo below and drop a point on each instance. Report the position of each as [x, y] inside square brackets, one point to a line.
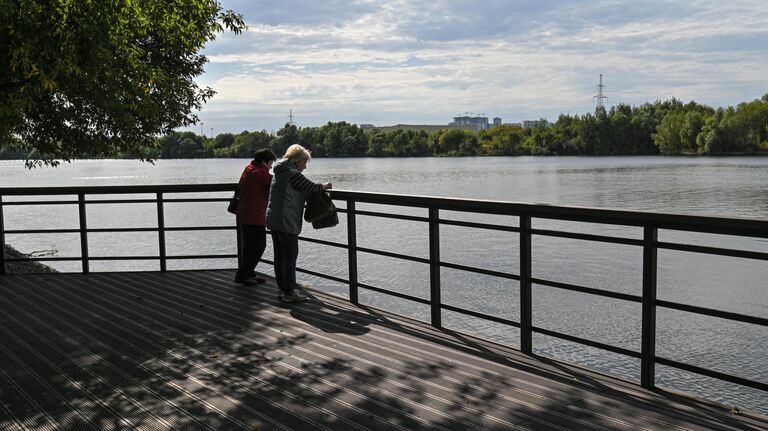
[80, 197]
[650, 223]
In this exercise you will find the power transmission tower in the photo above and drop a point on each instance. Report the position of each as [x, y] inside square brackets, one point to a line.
[290, 117]
[600, 96]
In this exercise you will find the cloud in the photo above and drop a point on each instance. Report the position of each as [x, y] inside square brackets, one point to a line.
[302, 12]
[399, 61]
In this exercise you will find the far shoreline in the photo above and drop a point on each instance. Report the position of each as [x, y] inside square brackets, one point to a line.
[439, 156]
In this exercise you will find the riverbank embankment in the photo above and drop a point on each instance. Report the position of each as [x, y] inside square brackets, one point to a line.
[22, 267]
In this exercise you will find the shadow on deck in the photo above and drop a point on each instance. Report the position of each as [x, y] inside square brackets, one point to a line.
[192, 350]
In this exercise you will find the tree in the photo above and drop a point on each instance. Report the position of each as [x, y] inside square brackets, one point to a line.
[667, 136]
[400, 143]
[377, 141]
[223, 140]
[184, 145]
[287, 136]
[102, 77]
[693, 122]
[679, 131]
[749, 125]
[711, 139]
[244, 144]
[644, 123]
[504, 140]
[456, 142]
[309, 138]
[540, 141]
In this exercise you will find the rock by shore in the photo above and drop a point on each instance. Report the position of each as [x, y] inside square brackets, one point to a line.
[22, 267]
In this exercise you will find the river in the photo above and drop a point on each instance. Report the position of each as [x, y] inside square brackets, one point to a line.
[729, 186]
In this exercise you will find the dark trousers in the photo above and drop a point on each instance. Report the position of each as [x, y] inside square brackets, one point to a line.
[286, 248]
[253, 239]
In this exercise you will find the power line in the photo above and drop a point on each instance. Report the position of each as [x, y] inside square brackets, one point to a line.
[600, 96]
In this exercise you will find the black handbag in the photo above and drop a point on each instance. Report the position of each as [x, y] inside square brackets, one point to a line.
[233, 202]
[320, 211]
[330, 220]
[319, 205]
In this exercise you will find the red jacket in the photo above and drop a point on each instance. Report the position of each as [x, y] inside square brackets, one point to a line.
[254, 195]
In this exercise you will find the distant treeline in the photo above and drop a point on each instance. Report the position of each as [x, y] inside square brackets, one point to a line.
[668, 127]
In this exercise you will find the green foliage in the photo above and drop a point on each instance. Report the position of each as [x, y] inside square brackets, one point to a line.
[679, 131]
[184, 145]
[340, 139]
[102, 78]
[748, 125]
[711, 139]
[502, 141]
[242, 145]
[456, 142]
[667, 136]
[223, 140]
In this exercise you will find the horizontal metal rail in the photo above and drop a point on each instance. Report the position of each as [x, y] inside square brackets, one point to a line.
[587, 237]
[744, 254]
[738, 226]
[158, 199]
[587, 342]
[116, 190]
[449, 222]
[588, 290]
[650, 222]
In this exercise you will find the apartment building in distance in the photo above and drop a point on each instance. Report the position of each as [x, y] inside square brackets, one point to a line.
[470, 122]
[467, 121]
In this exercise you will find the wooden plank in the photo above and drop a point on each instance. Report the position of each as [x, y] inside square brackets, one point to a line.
[191, 349]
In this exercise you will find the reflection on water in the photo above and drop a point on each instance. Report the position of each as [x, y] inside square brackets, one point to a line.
[705, 186]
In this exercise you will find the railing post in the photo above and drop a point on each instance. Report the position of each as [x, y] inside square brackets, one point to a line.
[526, 301]
[161, 231]
[352, 251]
[648, 344]
[83, 232]
[434, 268]
[2, 239]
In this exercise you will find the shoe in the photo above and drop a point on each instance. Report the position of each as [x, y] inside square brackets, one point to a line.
[250, 281]
[293, 297]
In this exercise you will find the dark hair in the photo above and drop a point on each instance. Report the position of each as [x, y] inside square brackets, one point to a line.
[264, 155]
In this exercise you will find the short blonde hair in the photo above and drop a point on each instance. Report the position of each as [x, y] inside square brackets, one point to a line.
[296, 153]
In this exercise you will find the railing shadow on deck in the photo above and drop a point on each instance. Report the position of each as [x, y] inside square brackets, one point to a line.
[198, 333]
[649, 222]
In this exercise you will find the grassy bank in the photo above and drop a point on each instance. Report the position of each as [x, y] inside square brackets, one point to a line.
[22, 267]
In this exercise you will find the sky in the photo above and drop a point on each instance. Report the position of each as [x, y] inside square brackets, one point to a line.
[387, 62]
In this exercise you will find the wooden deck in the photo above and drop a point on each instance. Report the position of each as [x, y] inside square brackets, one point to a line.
[192, 350]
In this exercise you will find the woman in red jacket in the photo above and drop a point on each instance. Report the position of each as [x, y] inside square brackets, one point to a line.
[251, 214]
